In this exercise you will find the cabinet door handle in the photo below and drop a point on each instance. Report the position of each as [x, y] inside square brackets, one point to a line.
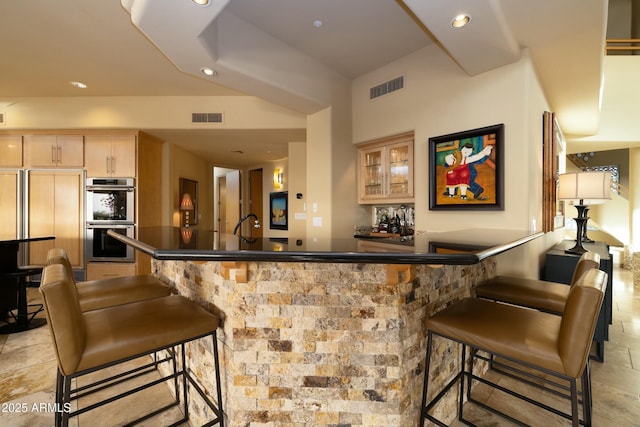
[107, 166]
[59, 154]
[113, 164]
[54, 155]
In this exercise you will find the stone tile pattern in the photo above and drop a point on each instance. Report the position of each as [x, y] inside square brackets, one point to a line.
[307, 344]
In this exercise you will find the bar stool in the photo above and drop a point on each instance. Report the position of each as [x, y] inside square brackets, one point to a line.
[86, 342]
[96, 294]
[557, 346]
[550, 297]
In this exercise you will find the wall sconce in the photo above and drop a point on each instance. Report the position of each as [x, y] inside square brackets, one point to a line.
[277, 178]
[584, 188]
[186, 205]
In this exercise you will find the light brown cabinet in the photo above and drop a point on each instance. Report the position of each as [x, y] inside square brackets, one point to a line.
[55, 208]
[10, 151]
[51, 200]
[385, 170]
[110, 155]
[107, 270]
[59, 151]
[9, 204]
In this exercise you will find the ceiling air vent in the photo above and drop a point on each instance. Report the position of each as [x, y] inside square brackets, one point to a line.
[206, 117]
[1, 119]
[386, 87]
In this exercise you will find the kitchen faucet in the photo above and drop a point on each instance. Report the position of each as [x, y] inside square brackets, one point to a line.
[256, 222]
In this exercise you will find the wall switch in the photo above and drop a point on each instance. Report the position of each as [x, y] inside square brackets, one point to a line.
[314, 207]
[317, 221]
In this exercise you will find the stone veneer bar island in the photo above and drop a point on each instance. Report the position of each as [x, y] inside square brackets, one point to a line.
[323, 332]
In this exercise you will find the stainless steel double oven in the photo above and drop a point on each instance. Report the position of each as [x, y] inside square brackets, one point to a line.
[109, 206]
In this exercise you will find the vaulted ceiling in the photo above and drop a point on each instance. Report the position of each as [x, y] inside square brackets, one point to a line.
[157, 48]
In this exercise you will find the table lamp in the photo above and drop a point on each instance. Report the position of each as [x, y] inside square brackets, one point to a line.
[186, 205]
[584, 188]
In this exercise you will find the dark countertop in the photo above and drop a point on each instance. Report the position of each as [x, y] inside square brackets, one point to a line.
[456, 247]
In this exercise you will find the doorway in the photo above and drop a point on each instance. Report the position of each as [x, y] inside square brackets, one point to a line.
[227, 202]
[255, 199]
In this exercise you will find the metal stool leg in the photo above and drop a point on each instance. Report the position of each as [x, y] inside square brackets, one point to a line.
[218, 384]
[587, 402]
[423, 408]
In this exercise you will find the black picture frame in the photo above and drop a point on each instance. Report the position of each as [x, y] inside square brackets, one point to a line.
[454, 183]
[279, 210]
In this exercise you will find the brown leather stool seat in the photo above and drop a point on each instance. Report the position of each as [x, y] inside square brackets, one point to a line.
[95, 294]
[85, 342]
[537, 294]
[557, 346]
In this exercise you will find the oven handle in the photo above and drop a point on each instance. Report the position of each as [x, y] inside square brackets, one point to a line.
[120, 226]
[108, 188]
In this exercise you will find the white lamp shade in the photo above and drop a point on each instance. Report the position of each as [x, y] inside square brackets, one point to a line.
[589, 187]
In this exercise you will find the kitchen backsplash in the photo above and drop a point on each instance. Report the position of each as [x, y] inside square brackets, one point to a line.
[390, 219]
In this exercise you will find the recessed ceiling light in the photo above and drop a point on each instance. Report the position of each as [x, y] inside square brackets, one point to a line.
[460, 21]
[208, 71]
[79, 85]
[202, 2]
[317, 23]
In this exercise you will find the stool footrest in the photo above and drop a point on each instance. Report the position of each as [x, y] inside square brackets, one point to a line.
[465, 378]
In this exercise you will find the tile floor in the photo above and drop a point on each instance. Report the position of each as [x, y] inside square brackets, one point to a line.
[615, 383]
[27, 372]
[27, 386]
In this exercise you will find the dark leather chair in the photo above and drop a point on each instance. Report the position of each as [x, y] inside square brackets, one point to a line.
[540, 295]
[86, 342]
[554, 346]
[95, 294]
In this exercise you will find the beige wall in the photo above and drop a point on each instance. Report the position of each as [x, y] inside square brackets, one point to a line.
[184, 164]
[296, 182]
[634, 197]
[439, 98]
[294, 173]
[147, 112]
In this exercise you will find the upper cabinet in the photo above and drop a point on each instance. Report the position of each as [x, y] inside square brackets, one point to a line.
[110, 155]
[58, 151]
[385, 170]
[10, 151]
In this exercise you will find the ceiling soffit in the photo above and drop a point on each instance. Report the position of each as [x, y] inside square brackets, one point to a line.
[484, 44]
[242, 55]
[251, 60]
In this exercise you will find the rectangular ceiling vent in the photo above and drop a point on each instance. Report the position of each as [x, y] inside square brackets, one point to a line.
[386, 87]
[1, 119]
[206, 117]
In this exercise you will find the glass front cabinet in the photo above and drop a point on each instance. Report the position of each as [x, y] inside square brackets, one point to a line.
[385, 170]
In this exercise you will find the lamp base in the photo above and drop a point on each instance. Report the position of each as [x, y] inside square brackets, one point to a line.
[581, 225]
[586, 239]
[578, 249]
